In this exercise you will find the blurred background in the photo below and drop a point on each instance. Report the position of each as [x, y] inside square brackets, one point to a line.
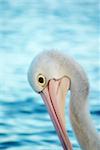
[27, 27]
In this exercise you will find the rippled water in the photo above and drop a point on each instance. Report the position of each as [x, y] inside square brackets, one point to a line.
[26, 27]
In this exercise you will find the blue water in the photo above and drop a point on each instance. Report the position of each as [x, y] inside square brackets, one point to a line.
[26, 27]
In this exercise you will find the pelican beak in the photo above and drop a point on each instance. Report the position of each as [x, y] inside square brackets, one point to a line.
[54, 96]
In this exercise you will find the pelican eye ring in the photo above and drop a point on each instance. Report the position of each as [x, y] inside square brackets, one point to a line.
[41, 80]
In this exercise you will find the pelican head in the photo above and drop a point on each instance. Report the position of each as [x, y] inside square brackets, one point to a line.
[52, 74]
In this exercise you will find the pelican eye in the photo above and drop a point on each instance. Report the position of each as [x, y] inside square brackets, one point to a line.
[41, 80]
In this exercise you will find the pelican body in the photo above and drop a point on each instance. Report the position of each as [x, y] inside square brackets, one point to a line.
[52, 74]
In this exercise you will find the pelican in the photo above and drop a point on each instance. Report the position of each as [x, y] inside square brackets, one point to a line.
[51, 74]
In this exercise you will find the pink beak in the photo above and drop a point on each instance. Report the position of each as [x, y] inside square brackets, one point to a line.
[54, 96]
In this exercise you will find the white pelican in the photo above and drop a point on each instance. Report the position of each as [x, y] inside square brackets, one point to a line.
[52, 74]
